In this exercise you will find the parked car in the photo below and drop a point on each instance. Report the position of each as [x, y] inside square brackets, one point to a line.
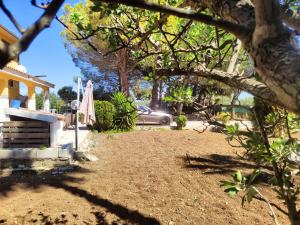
[148, 116]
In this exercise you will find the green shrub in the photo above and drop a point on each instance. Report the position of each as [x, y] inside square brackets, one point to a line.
[181, 121]
[80, 117]
[104, 112]
[126, 114]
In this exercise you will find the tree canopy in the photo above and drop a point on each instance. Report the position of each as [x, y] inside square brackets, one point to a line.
[266, 29]
[166, 45]
[67, 94]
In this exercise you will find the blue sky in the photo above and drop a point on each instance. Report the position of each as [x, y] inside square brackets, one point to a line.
[46, 55]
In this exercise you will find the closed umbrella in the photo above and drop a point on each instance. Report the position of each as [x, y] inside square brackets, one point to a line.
[87, 105]
[87, 108]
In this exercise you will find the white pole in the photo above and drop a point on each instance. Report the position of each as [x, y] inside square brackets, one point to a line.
[77, 114]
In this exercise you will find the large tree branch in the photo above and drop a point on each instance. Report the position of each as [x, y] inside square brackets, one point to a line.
[268, 21]
[251, 86]
[239, 30]
[242, 12]
[12, 51]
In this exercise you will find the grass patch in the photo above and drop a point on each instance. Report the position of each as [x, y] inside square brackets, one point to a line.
[114, 131]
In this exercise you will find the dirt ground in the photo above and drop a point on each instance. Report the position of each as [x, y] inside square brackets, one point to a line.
[142, 177]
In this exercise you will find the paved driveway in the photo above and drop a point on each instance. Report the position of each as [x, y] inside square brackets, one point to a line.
[191, 125]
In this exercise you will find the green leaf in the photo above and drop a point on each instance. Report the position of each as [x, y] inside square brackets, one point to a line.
[253, 176]
[238, 176]
[251, 192]
[227, 184]
[232, 193]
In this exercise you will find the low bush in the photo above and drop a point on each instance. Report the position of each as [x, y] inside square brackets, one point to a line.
[105, 113]
[181, 121]
[126, 113]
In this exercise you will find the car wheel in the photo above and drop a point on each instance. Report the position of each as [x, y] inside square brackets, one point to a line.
[165, 121]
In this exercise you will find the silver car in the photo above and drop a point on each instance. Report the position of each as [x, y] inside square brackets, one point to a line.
[147, 116]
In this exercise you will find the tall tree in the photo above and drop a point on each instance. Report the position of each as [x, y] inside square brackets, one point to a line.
[67, 94]
[122, 70]
[94, 51]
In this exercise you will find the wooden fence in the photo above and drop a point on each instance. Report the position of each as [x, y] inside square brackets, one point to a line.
[24, 134]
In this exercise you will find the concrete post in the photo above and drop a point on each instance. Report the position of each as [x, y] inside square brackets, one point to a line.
[31, 98]
[56, 130]
[4, 99]
[46, 102]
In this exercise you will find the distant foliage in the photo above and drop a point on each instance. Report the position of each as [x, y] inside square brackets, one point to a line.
[55, 102]
[181, 121]
[67, 94]
[247, 101]
[105, 113]
[126, 114]
[39, 101]
[180, 94]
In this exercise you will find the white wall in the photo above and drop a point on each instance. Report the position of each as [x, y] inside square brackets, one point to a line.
[31, 104]
[56, 130]
[4, 103]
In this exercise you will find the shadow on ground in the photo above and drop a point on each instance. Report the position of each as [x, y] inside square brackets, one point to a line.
[42, 218]
[219, 164]
[223, 164]
[34, 180]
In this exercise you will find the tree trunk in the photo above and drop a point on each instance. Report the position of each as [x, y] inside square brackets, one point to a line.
[270, 44]
[272, 47]
[179, 107]
[122, 71]
[154, 99]
[279, 68]
[156, 83]
[160, 93]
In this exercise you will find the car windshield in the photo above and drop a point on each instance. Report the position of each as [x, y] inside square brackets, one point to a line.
[143, 108]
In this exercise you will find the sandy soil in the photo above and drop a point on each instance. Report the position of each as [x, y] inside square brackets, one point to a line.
[142, 177]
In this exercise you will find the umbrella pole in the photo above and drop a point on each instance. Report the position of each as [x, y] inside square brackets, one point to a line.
[77, 114]
[76, 132]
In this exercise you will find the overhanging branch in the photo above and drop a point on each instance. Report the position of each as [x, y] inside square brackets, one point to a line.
[240, 31]
[8, 54]
[251, 86]
[11, 17]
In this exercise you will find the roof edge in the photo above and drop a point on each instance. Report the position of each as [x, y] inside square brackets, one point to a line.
[27, 76]
[8, 31]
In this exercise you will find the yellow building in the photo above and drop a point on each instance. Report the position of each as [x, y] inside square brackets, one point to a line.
[19, 110]
[12, 76]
